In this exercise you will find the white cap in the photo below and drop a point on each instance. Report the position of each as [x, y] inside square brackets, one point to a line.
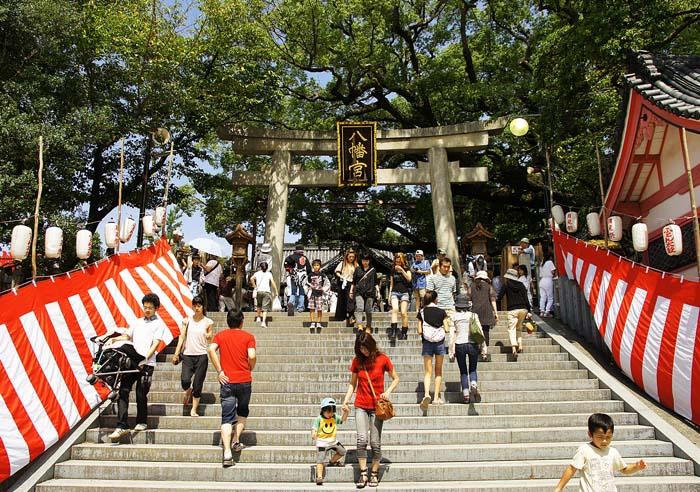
[178, 232]
[525, 240]
[419, 252]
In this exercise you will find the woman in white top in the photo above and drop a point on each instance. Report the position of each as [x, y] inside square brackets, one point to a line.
[464, 349]
[263, 283]
[547, 274]
[345, 272]
[195, 335]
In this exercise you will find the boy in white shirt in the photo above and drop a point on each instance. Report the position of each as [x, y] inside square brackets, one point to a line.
[597, 460]
[263, 283]
[145, 334]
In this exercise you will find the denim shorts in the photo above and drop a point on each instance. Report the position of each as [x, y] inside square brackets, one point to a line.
[434, 348]
[401, 296]
[235, 398]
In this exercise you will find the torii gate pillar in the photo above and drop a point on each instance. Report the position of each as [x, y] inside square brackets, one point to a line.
[443, 210]
[276, 215]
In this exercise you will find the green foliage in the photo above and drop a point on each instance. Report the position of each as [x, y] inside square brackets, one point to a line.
[87, 74]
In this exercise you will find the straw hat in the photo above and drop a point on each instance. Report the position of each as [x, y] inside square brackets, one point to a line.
[512, 274]
[265, 248]
[481, 274]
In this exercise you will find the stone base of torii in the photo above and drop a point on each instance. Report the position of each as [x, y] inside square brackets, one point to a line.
[437, 172]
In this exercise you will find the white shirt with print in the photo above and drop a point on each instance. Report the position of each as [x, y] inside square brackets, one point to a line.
[597, 468]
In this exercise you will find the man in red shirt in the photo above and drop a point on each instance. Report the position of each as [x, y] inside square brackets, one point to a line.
[236, 349]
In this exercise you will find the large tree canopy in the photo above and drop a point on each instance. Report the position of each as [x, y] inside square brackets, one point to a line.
[85, 74]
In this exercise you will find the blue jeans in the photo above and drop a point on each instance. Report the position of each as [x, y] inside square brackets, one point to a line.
[467, 355]
[296, 298]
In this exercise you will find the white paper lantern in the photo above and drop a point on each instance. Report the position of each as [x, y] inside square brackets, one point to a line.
[615, 228]
[571, 222]
[53, 242]
[111, 236]
[558, 214]
[640, 237]
[128, 226]
[147, 223]
[159, 216]
[83, 244]
[519, 127]
[21, 240]
[593, 222]
[673, 239]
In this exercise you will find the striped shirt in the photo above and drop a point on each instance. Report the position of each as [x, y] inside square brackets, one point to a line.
[446, 287]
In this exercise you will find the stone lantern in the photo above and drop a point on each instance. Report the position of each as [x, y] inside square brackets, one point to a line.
[475, 241]
[239, 239]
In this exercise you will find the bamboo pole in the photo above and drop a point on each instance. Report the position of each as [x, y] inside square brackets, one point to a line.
[38, 202]
[167, 186]
[119, 197]
[691, 192]
[602, 194]
[547, 157]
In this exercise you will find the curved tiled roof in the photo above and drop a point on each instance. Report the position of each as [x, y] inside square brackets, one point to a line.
[670, 82]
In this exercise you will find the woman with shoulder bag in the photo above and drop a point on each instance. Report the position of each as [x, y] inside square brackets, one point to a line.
[197, 331]
[344, 309]
[483, 297]
[367, 380]
[466, 337]
[433, 324]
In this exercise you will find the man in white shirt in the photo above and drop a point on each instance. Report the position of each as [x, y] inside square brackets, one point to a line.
[145, 335]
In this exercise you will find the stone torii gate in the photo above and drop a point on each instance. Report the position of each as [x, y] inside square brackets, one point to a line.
[438, 172]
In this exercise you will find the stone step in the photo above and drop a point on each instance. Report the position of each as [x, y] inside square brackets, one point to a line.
[321, 339]
[472, 422]
[307, 454]
[407, 397]
[340, 367]
[391, 436]
[346, 358]
[395, 472]
[304, 411]
[398, 351]
[260, 387]
[172, 374]
[624, 484]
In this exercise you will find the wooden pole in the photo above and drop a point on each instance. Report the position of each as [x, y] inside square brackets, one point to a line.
[602, 195]
[119, 197]
[38, 202]
[691, 192]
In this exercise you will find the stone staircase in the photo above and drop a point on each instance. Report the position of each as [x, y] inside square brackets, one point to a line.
[522, 435]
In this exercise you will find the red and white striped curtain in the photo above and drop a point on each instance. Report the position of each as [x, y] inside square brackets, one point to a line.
[45, 352]
[648, 319]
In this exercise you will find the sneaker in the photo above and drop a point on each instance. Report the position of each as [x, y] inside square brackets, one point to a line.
[117, 434]
[263, 325]
[237, 447]
[424, 403]
[140, 427]
[439, 401]
[465, 397]
[257, 319]
[474, 391]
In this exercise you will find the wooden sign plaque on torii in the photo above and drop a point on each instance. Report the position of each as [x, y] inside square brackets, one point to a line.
[437, 172]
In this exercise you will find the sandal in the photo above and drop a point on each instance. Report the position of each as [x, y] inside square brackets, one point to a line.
[374, 479]
[362, 481]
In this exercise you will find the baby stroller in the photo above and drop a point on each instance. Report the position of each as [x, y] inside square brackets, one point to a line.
[111, 363]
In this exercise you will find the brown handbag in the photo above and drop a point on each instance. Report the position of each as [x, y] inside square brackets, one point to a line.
[383, 409]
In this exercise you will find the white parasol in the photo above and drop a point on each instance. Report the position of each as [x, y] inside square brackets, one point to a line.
[207, 245]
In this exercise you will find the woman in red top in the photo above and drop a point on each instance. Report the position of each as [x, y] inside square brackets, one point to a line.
[369, 364]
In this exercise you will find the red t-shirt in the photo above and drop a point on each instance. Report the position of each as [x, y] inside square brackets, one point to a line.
[363, 395]
[233, 353]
